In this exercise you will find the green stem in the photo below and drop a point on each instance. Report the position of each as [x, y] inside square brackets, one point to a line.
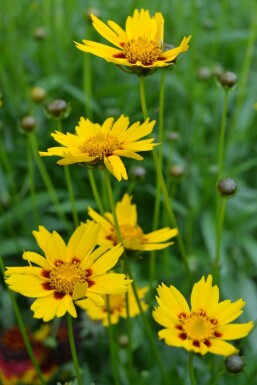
[73, 350]
[129, 273]
[244, 76]
[112, 345]
[163, 188]
[191, 369]
[46, 178]
[129, 347]
[69, 185]
[219, 228]
[31, 183]
[95, 191]
[142, 97]
[157, 202]
[222, 134]
[23, 330]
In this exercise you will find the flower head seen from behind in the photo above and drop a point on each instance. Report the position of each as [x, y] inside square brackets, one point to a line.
[206, 326]
[103, 146]
[132, 235]
[68, 274]
[139, 46]
[118, 309]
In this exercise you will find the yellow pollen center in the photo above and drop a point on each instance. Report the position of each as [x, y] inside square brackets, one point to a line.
[198, 326]
[64, 276]
[143, 50]
[132, 236]
[101, 145]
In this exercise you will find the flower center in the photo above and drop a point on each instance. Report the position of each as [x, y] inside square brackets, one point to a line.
[64, 276]
[198, 327]
[132, 236]
[101, 145]
[142, 50]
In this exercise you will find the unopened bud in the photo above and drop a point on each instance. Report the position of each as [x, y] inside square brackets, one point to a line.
[123, 340]
[227, 187]
[138, 172]
[204, 73]
[234, 364]
[38, 94]
[58, 109]
[177, 170]
[39, 33]
[28, 123]
[228, 79]
[173, 136]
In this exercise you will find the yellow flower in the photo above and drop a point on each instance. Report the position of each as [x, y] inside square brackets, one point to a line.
[103, 146]
[206, 326]
[132, 235]
[68, 274]
[118, 307]
[139, 45]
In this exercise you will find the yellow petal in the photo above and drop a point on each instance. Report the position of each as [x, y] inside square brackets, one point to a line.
[227, 312]
[82, 241]
[126, 211]
[161, 235]
[116, 167]
[222, 348]
[107, 261]
[204, 295]
[111, 283]
[234, 331]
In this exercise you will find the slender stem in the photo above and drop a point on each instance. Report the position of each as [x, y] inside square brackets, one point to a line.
[129, 273]
[47, 181]
[222, 134]
[112, 345]
[142, 97]
[73, 350]
[129, 347]
[157, 202]
[191, 369]
[219, 228]
[95, 191]
[31, 183]
[69, 185]
[171, 215]
[163, 188]
[23, 330]
[246, 64]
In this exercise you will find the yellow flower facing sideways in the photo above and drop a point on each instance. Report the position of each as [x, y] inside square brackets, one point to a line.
[117, 304]
[133, 237]
[103, 146]
[141, 44]
[203, 328]
[68, 274]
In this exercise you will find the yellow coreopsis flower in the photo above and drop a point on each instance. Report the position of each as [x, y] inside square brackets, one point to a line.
[68, 274]
[103, 146]
[133, 237]
[118, 308]
[203, 328]
[139, 46]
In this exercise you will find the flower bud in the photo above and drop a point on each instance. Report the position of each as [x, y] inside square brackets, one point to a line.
[39, 33]
[123, 340]
[28, 123]
[204, 73]
[138, 172]
[228, 79]
[173, 136]
[234, 364]
[58, 109]
[227, 187]
[38, 94]
[177, 170]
